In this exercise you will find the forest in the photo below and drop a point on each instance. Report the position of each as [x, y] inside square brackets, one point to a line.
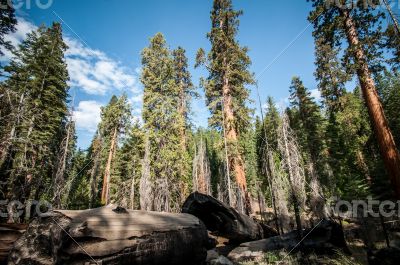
[286, 167]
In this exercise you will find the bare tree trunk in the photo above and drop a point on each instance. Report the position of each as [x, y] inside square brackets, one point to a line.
[8, 145]
[132, 193]
[201, 170]
[107, 174]
[291, 159]
[59, 179]
[93, 176]
[272, 175]
[146, 189]
[394, 19]
[390, 154]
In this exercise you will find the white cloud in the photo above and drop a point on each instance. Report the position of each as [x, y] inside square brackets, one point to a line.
[87, 115]
[90, 70]
[96, 73]
[138, 99]
[315, 93]
[23, 27]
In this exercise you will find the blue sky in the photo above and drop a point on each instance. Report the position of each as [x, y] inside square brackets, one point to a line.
[106, 37]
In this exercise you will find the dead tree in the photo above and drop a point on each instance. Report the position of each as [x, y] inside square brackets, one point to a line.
[201, 170]
[292, 164]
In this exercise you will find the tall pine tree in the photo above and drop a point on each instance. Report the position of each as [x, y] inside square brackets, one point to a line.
[165, 80]
[359, 25]
[225, 87]
[38, 89]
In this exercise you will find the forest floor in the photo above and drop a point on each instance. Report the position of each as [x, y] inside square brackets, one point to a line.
[356, 234]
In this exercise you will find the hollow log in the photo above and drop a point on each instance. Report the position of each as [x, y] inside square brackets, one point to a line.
[221, 219]
[326, 237]
[111, 236]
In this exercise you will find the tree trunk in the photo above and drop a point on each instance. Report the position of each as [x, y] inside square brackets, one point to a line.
[93, 177]
[59, 180]
[235, 160]
[293, 192]
[132, 193]
[182, 113]
[390, 154]
[392, 15]
[107, 174]
[271, 169]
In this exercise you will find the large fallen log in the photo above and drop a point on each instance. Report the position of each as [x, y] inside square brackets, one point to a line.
[326, 237]
[111, 236]
[221, 219]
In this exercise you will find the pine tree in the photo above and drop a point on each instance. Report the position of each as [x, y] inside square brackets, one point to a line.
[168, 172]
[227, 96]
[7, 23]
[128, 168]
[360, 26]
[185, 90]
[76, 191]
[330, 74]
[115, 120]
[64, 162]
[389, 90]
[309, 124]
[267, 146]
[38, 88]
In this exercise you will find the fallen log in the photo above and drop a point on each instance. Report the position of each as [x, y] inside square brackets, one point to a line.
[111, 236]
[222, 219]
[323, 239]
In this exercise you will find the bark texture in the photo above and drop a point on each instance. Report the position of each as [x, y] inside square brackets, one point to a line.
[112, 236]
[107, 174]
[390, 154]
[222, 219]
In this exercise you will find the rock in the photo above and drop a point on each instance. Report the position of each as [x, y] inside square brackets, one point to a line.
[211, 255]
[221, 261]
[324, 238]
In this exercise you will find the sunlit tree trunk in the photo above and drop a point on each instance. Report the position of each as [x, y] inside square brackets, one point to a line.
[235, 160]
[384, 136]
[107, 174]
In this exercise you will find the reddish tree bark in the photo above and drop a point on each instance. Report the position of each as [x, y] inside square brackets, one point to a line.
[384, 136]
